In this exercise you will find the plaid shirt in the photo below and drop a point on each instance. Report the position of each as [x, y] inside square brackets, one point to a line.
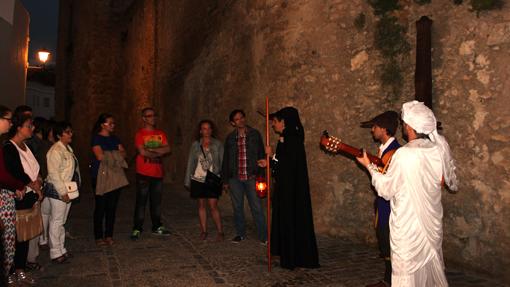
[242, 172]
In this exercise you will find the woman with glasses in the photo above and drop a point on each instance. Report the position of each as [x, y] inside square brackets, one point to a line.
[22, 164]
[206, 154]
[105, 204]
[62, 170]
[10, 188]
[40, 143]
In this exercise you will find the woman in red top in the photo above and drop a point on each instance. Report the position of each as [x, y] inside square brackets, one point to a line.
[7, 207]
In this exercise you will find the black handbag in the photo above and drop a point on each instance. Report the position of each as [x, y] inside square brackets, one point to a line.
[212, 180]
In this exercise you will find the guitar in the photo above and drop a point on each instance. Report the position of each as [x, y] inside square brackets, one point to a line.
[334, 145]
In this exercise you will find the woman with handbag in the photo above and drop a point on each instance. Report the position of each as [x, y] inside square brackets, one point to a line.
[63, 175]
[105, 204]
[204, 166]
[10, 188]
[22, 164]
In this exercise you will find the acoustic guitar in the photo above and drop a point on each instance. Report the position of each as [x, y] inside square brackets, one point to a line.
[334, 145]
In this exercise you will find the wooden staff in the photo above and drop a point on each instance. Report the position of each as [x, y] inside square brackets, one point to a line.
[268, 184]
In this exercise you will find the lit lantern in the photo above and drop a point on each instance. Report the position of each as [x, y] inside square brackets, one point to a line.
[43, 55]
[261, 187]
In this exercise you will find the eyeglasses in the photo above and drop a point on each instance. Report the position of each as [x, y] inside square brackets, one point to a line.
[7, 119]
[29, 126]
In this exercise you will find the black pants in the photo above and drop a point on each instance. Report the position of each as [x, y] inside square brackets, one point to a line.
[20, 255]
[383, 238]
[104, 210]
[148, 188]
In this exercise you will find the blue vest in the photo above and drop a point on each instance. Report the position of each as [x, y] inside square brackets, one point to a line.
[383, 205]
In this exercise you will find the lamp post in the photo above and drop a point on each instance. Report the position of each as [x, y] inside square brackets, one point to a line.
[43, 56]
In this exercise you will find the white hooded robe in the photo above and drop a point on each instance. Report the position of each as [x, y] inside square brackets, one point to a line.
[413, 185]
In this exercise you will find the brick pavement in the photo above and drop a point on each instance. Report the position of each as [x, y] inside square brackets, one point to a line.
[183, 260]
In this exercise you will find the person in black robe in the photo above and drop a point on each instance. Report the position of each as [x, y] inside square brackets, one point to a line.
[292, 230]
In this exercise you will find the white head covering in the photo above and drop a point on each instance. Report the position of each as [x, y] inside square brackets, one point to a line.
[423, 121]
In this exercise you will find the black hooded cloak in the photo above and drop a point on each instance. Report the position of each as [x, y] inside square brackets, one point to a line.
[292, 230]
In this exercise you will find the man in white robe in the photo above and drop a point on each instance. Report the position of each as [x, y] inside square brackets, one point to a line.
[413, 185]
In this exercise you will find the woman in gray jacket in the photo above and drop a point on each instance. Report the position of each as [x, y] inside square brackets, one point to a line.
[206, 154]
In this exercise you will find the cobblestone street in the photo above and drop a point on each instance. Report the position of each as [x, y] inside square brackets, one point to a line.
[183, 260]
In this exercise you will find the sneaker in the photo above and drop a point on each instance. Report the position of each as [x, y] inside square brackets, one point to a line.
[24, 278]
[238, 239]
[162, 231]
[135, 235]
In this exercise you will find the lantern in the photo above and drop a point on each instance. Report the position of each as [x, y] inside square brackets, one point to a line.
[261, 187]
[43, 55]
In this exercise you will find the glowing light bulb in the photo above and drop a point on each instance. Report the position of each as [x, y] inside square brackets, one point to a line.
[43, 56]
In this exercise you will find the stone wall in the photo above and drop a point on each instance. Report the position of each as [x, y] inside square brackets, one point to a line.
[14, 38]
[201, 59]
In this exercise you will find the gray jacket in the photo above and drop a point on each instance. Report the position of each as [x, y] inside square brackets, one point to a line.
[254, 152]
[216, 149]
[111, 174]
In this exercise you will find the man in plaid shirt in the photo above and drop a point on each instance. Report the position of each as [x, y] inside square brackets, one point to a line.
[243, 149]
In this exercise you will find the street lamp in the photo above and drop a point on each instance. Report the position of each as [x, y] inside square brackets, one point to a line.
[43, 56]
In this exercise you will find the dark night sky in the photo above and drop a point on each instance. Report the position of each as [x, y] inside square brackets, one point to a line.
[43, 27]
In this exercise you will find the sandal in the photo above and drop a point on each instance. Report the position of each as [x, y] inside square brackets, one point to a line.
[109, 241]
[59, 260]
[34, 266]
[203, 235]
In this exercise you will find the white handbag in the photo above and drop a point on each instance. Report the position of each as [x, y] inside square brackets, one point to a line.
[72, 190]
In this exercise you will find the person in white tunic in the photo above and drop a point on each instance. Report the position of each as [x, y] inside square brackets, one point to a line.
[413, 185]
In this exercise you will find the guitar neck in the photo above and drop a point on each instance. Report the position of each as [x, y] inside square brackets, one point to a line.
[356, 152]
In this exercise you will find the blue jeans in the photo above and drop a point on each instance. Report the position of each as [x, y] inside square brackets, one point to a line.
[239, 188]
[148, 187]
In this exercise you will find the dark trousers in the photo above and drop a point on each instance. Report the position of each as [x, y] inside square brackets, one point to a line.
[148, 188]
[104, 210]
[238, 189]
[20, 255]
[383, 238]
